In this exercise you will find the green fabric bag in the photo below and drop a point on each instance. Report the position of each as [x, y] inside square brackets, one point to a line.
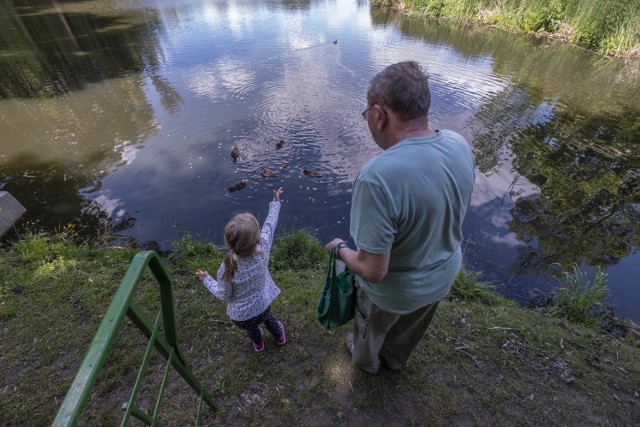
[335, 306]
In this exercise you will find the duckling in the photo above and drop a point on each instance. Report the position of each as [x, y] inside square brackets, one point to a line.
[266, 173]
[312, 174]
[235, 153]
[237, 186]
[280, 144]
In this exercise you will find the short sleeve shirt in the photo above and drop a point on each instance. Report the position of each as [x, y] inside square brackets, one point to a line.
[410, 201]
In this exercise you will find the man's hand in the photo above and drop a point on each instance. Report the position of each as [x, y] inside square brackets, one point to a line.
[371, 267]
[333, 243]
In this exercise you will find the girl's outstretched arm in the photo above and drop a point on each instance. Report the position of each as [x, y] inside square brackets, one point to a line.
[269, 226]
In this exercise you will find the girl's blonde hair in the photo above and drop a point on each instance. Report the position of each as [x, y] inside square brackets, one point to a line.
[241, 235]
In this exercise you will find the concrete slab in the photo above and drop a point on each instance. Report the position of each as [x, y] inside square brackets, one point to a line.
[10, 211]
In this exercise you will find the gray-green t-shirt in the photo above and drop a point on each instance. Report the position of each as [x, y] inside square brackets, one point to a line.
[410, 201]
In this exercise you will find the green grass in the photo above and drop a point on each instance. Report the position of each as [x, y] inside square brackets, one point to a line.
[579, 299]
[484, 360]
[609, 26]
[468, 286]
[298, 250]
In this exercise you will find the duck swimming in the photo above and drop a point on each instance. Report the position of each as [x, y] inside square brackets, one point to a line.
[266, 173]
[312, 174]
[235, 153]
[280, 144]
[237, 186]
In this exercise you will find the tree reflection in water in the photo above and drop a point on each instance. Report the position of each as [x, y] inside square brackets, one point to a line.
[54, 49]
[587, 172]
[568, 124]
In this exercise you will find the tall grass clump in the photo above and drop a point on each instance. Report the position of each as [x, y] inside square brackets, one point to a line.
[298, 250]
[542, 15]
[580, 299]
[468, 286]
[192, 254]
[610, 26]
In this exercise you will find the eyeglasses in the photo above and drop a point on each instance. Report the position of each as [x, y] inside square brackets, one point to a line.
[364, 113]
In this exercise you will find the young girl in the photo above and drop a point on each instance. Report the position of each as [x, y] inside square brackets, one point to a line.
[243, 278]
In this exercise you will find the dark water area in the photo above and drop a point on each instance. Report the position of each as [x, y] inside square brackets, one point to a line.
[123, 114]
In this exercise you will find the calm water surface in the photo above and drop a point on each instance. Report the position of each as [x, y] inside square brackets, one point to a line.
[125, 113]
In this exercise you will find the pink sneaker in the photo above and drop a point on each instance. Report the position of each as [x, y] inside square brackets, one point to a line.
[283, 337]
[259, 347]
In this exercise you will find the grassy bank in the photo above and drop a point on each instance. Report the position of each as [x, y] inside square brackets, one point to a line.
[484, 361]
[609, 26]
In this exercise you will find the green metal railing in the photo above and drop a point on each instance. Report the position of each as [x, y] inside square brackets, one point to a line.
[167, 345]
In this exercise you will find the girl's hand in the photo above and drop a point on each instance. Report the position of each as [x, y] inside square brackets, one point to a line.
[201, 274]
[276, 194]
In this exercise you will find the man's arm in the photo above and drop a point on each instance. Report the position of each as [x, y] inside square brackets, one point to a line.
[371, 267]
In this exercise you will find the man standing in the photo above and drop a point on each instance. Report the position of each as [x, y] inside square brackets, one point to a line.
[407, 209]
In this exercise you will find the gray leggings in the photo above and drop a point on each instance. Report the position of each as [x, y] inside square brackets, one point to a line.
[253, 330]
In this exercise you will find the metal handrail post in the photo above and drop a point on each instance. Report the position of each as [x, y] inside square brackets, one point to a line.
[121, 306]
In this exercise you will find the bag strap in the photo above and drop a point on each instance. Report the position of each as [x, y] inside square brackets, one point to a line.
[332, 263]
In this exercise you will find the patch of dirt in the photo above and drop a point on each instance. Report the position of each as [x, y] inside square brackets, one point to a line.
[557, 367]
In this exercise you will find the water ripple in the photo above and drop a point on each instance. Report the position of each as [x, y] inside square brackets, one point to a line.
[226, 79]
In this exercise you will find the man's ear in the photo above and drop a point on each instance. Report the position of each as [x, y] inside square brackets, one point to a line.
[382, 117]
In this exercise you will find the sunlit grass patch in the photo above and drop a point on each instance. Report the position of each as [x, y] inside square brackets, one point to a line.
[32, 247]
[49, 268]
[40, 247]
[339, 372]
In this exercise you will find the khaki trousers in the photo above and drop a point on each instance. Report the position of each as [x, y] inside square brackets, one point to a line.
[378, 334]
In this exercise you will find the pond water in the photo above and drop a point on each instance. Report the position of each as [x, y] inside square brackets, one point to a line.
[125, 113]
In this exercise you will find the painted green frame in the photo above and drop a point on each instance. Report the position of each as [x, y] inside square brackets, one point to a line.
[121, 305]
